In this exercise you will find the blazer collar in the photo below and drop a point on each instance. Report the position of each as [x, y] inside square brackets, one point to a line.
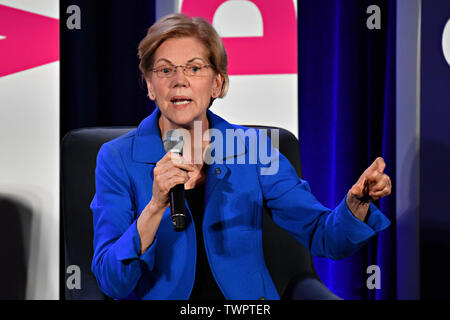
[148, 146]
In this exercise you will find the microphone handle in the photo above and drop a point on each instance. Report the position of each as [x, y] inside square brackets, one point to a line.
[177, 208]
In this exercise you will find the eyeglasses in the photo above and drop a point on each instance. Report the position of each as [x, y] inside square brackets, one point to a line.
[189, 70]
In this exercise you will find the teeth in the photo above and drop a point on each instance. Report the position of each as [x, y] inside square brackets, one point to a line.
[181, 102]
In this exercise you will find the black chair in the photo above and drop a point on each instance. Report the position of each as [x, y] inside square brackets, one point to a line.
[289, 263]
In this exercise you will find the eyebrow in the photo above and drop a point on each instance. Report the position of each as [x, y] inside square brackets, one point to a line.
[189, 61]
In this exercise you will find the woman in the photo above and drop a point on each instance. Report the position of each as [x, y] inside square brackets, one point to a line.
[137, 254]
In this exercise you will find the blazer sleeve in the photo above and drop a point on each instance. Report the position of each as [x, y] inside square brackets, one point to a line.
[334, 234]
[117, 263]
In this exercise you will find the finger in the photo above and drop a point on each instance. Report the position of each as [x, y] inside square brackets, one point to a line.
[162, 178]
[164, 167]
[171, 157]
[374, 177]
[357, 191]
[380, 194]
[162, 170]
[386, 190]
[169, 183]
[185, 166]
[175, 180]
[175, 161]
[379, 164]
[382, 183]
[176, 158]
[173, 172]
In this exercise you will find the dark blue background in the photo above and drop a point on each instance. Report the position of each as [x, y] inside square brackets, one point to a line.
[347, 120]
[434, 154]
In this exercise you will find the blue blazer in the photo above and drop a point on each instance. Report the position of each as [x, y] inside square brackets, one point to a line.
[232, 224]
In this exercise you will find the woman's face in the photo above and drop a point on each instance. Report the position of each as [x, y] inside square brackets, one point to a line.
[183, 99]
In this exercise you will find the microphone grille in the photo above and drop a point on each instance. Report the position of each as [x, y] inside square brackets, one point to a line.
[173, 141]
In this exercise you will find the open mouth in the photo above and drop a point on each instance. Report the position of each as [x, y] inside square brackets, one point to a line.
[179, 101]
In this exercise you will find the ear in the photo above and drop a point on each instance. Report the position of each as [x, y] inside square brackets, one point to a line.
[217, 86]
[151, 92]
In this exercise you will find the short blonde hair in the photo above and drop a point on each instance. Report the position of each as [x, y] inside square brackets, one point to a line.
[180, 25]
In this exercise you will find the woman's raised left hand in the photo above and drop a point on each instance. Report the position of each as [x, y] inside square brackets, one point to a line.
[372, 185]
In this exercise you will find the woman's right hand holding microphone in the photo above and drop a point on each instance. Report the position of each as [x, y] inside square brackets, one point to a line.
[171, 170]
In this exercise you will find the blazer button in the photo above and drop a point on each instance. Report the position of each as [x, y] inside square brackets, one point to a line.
[262, 298]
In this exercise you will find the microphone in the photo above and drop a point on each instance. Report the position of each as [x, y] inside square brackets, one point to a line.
[173, 142]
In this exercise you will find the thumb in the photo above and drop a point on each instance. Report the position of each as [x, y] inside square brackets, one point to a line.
[358, 188]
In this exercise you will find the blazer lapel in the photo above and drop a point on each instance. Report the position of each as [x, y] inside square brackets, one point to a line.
[147, 145]
[219, 172]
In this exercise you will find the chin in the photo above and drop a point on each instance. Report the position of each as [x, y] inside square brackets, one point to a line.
[185, 118]
[181, 120]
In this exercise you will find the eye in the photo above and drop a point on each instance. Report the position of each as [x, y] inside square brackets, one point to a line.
[194, 69]
[165, 70]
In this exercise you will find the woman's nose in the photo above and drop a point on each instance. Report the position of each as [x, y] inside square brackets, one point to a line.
[180, 79]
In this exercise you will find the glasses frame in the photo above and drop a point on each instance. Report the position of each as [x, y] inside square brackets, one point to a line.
[183, 66]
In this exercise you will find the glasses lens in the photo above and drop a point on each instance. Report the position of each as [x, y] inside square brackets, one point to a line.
[193, 70]
[165, 72]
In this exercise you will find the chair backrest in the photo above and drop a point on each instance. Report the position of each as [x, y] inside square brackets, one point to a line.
[285, 258]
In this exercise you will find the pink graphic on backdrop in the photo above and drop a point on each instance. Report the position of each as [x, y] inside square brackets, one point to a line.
[274, 53]
[31, 40]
